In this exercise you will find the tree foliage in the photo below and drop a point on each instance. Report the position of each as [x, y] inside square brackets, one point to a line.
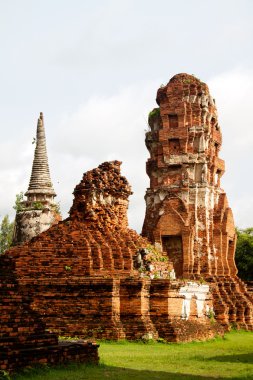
[6, 232]
[244, 254]
[19, 202]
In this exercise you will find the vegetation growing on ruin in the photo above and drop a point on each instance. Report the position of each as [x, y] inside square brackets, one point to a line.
[152, 262]
[154, 255]
[19, 206]
[154, 113]
[56, 207]
[37, 206]
[153, 117]
[228, 358]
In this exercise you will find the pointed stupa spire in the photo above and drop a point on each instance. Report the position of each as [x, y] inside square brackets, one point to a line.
[40, 186]
[38, 212]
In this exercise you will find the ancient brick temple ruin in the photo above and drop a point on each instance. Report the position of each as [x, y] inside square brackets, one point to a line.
[91, 276]
[187, 212]
[38, 212]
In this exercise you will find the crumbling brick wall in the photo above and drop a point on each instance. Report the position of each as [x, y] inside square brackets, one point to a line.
[24, 340]
[91, 276]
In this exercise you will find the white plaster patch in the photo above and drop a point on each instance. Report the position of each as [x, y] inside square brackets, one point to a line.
[212, 201]
[185, 196]
[156, 199]
[30, 223]
[176, 159]
[149, 200]
[193, 289]
[201, 226]
[162, 195]
[172, 274]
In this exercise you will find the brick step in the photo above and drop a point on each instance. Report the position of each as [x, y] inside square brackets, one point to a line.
[64, 352]
[29, 341]
[240, 309]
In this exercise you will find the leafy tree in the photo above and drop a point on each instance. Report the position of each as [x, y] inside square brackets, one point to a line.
[6, 232]
[244, 254]
[19, 202]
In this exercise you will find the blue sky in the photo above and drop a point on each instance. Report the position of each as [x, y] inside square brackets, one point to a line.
[93, 68]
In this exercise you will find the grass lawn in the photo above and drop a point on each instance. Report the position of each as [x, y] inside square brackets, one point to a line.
[228, 358]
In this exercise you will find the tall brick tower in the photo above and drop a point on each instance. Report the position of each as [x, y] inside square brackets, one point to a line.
[186, 210]
[38, 212]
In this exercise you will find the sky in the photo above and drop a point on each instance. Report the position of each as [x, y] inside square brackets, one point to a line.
[93, 68]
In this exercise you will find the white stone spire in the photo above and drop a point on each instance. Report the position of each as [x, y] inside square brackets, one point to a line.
[38, 212]
[40, 186]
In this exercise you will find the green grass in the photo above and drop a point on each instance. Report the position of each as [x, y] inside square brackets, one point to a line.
[228, 358]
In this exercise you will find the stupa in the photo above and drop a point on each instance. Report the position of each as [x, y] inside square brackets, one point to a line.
[39, 211]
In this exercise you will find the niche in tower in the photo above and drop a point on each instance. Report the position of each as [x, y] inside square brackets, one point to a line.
[198, 172]
[217, 148]
[172, 244]
[174, 146]
[196, 144]
[173, 120]
[175, 175]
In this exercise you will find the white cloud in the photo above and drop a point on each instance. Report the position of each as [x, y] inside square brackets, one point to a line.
[15, 158]
[102, 129]
[233, 93]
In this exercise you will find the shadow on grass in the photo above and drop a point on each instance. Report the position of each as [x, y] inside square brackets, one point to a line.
[103, 372]
[241, 358]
